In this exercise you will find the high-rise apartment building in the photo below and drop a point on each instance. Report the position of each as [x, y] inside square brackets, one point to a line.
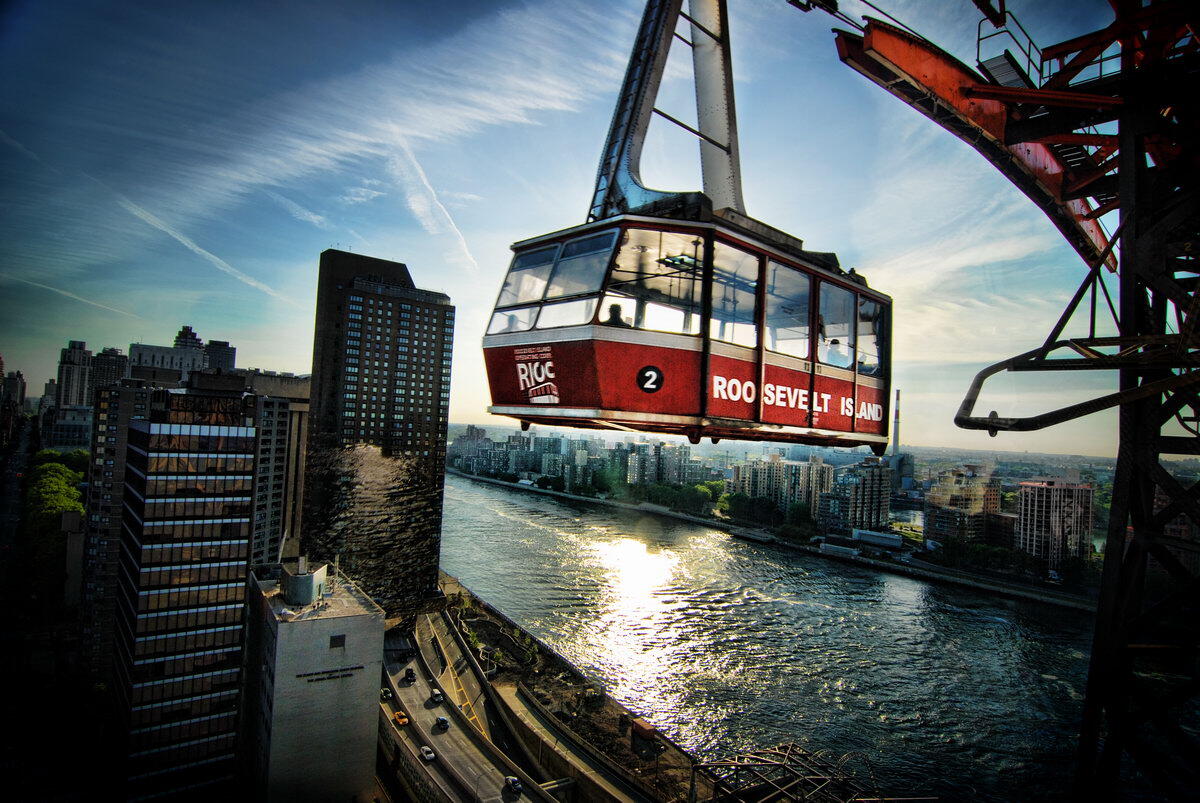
[12, 404]
[116, 406]
[377, 433]
[14, 388]
[186, 528]
[281, 408]
[184, 360]
[642, 464]
[959, 503]
[282, 415]
[860, 498]
[219, 355]
[109, 366]
[784, 482]
[49, 395]
[1054, 520]
[74, 376]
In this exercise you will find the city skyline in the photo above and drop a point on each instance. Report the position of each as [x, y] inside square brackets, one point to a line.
[438, 140]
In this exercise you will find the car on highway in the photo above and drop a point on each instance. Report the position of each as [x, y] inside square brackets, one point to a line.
[385, 694]
[442, 724]
[512, 784]
[437, 695]
[400, 717]
[427, 753]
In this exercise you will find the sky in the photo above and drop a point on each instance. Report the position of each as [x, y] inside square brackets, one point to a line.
[186, 163]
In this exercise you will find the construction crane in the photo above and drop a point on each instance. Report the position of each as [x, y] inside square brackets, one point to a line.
[1104, 123]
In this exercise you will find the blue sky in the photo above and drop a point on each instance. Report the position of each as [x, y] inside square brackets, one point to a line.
[163, 164]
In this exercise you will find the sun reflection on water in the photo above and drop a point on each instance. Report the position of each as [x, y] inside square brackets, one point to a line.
[635, 628]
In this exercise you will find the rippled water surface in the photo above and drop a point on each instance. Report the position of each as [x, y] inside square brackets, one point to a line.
[728, 645]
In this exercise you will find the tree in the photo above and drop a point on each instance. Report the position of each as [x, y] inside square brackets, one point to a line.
[75, 461]
[603, 480]
[799, 513]
[550, 483]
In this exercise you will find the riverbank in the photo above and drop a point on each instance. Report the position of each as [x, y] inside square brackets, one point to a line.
[574, 706]
[925, 572]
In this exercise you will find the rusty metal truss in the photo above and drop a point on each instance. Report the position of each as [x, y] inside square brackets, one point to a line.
[786, 772]
[1108, 122]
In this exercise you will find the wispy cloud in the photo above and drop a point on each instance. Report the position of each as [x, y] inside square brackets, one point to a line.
[506, 68]
[67, 294]
[153, 220]
[453, 198]
[974, 273]
[360, 195]
[190, 244]
[424, 203]
[297, 211]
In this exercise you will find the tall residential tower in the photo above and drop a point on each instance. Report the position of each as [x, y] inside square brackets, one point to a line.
[377, 437]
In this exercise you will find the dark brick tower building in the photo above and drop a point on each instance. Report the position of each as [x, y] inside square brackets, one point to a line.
[377, 435]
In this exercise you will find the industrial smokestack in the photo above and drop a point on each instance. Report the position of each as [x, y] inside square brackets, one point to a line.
[896, 427]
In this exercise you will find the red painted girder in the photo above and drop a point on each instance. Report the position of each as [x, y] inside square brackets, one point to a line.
[1042, 97]
[1077, 139]
[886, 54]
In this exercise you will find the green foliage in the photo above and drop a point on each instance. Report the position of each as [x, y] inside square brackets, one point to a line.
[684, 498]
[51, 489]
[75, 461]
[799, 513]
[961, 553]
[1101, 505]
[797, 532]
[473, 639]
[603, 480]
[551, 483]
[1081, 572]
[759, 510]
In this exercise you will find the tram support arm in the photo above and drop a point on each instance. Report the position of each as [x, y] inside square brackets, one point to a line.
[1035, 360]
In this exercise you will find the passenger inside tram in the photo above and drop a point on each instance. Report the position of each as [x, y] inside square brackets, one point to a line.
[614, 317]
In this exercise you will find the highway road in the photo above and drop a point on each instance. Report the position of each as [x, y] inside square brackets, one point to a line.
[462, 763]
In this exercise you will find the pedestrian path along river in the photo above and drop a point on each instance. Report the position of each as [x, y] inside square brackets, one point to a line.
[728, 645]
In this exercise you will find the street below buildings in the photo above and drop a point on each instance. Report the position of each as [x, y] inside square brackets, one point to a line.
[465, 765]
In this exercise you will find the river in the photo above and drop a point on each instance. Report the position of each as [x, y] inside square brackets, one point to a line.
[727, 645]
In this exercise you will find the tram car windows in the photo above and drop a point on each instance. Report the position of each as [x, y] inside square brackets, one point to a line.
[657, 281]
[787, 310]
[735, 276]
[837, 321]
[872, 327]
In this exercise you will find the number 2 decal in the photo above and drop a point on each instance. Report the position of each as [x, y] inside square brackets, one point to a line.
[650, 379]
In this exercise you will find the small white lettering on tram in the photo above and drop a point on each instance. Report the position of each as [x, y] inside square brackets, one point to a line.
[732, 389]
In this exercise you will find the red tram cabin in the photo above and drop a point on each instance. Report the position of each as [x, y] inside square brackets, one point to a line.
[724, 328]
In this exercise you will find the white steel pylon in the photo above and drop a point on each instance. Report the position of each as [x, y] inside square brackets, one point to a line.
[618, 182]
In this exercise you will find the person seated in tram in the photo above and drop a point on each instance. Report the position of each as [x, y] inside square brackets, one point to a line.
[510, 325]
[832, 353]
[614, 317]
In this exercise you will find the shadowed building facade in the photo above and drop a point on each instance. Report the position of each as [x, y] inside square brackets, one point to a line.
[377, 435]
[186, 529]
